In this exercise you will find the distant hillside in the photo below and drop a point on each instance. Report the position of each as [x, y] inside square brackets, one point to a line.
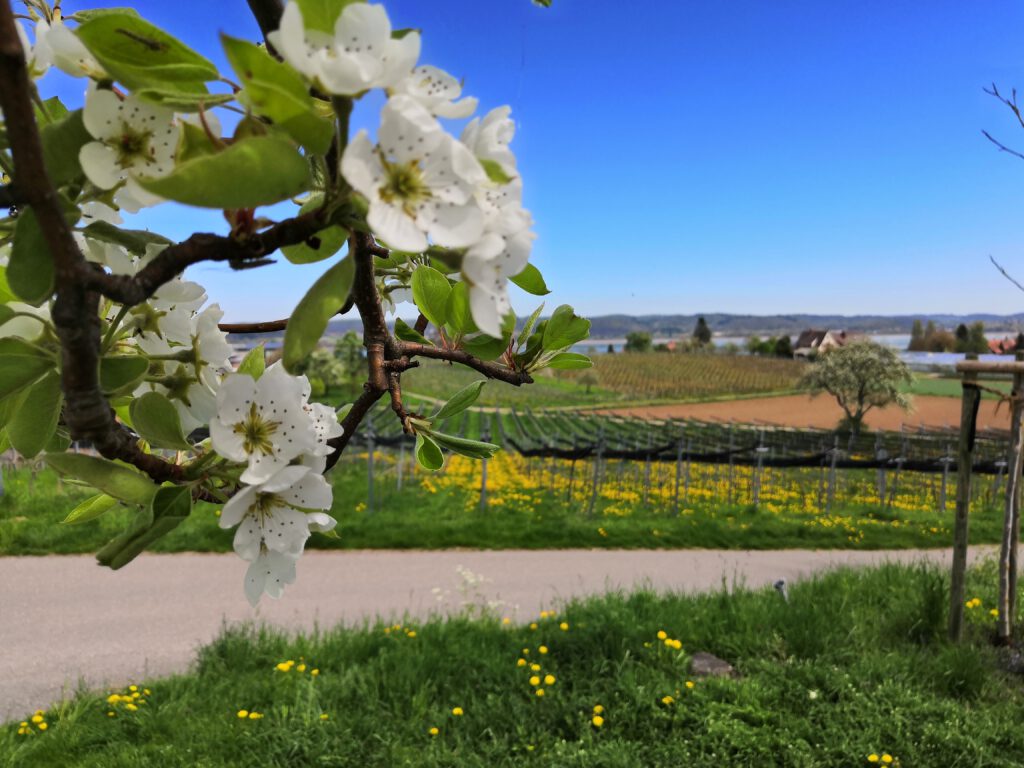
[721, 324]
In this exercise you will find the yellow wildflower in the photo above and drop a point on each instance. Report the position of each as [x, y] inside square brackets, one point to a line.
[549, 680]
[243, 713]
[457, 711]
[597, 721]
[433, 731]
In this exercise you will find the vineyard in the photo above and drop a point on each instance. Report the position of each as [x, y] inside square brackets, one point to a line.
[622, 377]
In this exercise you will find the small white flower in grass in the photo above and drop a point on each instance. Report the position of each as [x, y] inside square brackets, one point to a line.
[262, 423]
[418, 180]
[132, 138]
[360, 55]
[438, 91]
[60, 47]
[271, 514]
[268, 573]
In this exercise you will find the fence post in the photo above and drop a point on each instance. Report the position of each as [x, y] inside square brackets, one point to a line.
[679, 471]
[831, 497]
[731, 468]
[647, 469]
[756, 489]
[595, 486]
[370, 449]
[485, 436]
[880, 454]
[970, 401]
[1011, 521]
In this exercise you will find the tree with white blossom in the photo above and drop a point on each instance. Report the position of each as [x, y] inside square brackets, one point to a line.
[104, 342]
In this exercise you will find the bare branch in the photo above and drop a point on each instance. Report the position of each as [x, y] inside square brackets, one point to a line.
[490, 370]
[1002, 147]
[1006, 274]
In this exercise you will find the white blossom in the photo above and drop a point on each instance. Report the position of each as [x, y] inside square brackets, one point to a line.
[438, 91]
[262, 423]
[418, 180]
[490, 137]
[133, 139]
[360, 55]
[60, 47]
[486, 267]
[36, 59]
[269, 573]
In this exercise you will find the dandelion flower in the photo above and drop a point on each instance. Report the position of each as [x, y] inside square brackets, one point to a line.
[535, 681]
[886, 758]
[597, 721]
[872, 758]
[690, 684]
[243, 713]
[325, 716]
[521, 663]
[549, 680]
[535, 667]
[543, 649]
[457, 711]
[539, 691]
[662, 634]
[598, 709]
[564, 626]
[42, 726]
[433, 731]
[37, 719]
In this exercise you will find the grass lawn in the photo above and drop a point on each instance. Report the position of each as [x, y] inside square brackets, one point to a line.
[854, 665]
[537, 510]
[944, 386]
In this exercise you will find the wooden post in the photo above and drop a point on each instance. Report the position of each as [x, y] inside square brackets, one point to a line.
[968, 422]
[1011, 520]
[595, 488]
[831, 497]
[679, 472]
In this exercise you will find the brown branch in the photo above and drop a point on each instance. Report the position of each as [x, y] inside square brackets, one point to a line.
[267, 326]
[490, 370]
[1011, 104]
[173, 260]
[421, 324]
[76, 309]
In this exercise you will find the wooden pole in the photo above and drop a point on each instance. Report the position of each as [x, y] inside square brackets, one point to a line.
[1011, 519]
[968, 423]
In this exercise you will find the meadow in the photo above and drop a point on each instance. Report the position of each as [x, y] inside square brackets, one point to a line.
[852, 670]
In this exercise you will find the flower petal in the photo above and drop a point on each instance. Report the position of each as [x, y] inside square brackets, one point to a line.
[99, 163]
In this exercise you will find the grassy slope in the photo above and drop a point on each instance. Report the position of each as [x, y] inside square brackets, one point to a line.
[447, 516]
[938, 386]
[853, 664]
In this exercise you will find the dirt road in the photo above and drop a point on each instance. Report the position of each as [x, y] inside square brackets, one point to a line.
[822, 412]
[65, 619]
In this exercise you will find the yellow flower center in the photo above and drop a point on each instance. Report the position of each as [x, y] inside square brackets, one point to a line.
[256, 432]
[403, 184]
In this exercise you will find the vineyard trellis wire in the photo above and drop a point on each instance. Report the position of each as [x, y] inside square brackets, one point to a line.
[742, 461]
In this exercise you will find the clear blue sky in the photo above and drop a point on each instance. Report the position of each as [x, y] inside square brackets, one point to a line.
[693, 156]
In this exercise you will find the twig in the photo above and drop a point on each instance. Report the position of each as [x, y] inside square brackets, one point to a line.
[490, 370]
[1005, 273]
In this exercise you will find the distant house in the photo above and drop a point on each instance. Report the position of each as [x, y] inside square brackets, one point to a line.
[812, 342]
[1005, 346]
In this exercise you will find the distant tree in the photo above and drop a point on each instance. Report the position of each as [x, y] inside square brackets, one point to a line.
[976, 341]
[731, 349]
[963, 336]
[589, 379]
[662, 347]
[939, 340]
[783, 347]
[861, 375]
[1019, 346]
[323, 365]
[753, 345]
[348, 350]
[916, 337]
[701, 332]
[611, 349]
[638, 341]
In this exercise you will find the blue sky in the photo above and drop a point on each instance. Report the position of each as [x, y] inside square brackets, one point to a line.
[725, 156]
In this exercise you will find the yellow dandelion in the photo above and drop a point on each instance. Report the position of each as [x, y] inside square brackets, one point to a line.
[255, 716]
[666, 700]
[662, 634]
[535, 681]
[42, 726]
[886, 758]
[433, 731]
[521, 663]
[690, 684]
[243, 713]
[301, 667]
[872, 758]
[543, 649]
[533, 625]
[37, 719]
[549, 680]
[535, 667]
[539, 691]
[457, 711]
[597, 721]
[324, 716]
[315, 672]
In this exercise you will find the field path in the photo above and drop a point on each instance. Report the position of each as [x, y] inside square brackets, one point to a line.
[63, 619]
[821, 412]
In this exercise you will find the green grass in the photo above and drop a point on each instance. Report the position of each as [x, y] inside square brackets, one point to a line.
[853, 664]
[524, 513]
[943, 386]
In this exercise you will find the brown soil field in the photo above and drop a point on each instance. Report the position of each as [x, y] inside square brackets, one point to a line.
[822, 412]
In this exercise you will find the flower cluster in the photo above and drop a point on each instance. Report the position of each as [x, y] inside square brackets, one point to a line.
[300, 667]
[270, 427]
[423, 186]
[36, 722]
[129, 700]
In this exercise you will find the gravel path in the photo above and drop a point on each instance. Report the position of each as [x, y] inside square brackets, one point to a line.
[64, 620]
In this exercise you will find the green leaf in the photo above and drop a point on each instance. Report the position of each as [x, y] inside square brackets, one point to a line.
[473, 449]
[134, 240]
[51, 111]
[460, 318]
[182, 99]
[531, 322]
[428, 454]
[21, 364]
[30, 269]
[322, 14]
[156, 420]
[254, 363]
[460, 401]
[62, 141]
[309, 320]
[531, 281]
[494, 171]
[565, 328]
[122, 372]
[255, 171]
[170, 506]
[407, 333]
[430, 291]
[90, 13]
[6, 294]
[485, 347]
[570, 361]
[320, 246]
[138, 54]
[6, 313]
[274, 90]
[113, 479]
[90, 509]
[35, 420]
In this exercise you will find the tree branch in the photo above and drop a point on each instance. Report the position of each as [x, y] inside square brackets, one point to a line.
[9, 196]
[76, 308]
[1005, 273]
[490, 370]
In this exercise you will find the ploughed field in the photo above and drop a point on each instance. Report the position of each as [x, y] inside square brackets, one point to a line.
[822, 412]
